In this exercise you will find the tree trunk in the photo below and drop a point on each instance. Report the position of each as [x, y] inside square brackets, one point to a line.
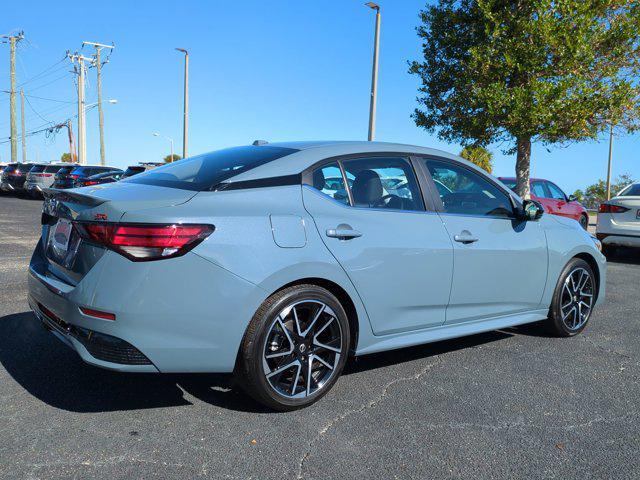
[523, 167]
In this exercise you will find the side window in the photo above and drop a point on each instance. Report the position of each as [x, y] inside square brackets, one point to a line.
[556, 192]
[465, 192]
[328, 179]
[537, 189]
[383, 182]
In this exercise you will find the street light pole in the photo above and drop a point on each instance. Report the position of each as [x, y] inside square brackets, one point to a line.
[374, 74]
[185, 125]
[610, 158]
[156, 134]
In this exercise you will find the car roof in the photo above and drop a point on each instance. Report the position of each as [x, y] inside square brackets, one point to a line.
[306, 154]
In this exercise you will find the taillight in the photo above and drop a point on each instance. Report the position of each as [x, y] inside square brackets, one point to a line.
[75, 177]
[88, 183]
[609, 208]
[146, 242]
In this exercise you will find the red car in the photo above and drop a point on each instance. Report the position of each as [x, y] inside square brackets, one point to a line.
[553, 199]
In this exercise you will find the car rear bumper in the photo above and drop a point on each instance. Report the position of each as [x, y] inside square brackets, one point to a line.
[619, 239]
[177, 315]
[7, 187]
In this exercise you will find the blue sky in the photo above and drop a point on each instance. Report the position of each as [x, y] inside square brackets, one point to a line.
[278, 70]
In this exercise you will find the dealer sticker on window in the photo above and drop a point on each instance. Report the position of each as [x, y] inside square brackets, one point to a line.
[59, 238]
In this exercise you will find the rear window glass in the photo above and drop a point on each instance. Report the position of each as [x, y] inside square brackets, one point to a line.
[37, 169]
[25, 167]
[203, 172]
[65, 170]
[52, 168]
[632, 190]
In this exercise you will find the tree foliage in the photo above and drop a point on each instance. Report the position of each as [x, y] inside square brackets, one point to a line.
[523, 71]
[595, 194]
[169, 158]
[66, 157]
[479, 156]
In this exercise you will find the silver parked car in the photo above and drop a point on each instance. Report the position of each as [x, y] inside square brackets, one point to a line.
[248, 260]
[619, 219]
[41, 177]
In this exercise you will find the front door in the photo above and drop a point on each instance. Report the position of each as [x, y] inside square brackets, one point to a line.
[500, 263]
[397, 254]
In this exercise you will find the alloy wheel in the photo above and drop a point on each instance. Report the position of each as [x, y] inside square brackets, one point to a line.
[576, 299]
[302, 349]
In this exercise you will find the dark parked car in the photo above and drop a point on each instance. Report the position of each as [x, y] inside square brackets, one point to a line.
[136, 169]
[14, 175]
[67, 177]
[105, 177]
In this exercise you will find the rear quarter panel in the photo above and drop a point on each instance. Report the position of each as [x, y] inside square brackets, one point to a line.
[244, 241]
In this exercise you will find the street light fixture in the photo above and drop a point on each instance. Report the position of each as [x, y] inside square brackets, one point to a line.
[374, 73]
[185, 125]
[156, 134]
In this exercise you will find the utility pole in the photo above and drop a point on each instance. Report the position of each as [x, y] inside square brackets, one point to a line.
[98, 64]
[82, 132]
[13, 40]
[610, 158]
[185, 125]
[374, 74]
[24, 138]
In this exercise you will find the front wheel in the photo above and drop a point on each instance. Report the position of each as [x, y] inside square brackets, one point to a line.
[295, 348]
[573, 299]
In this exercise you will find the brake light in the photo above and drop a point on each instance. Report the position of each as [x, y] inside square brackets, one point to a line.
[609, 208]
[88, 183]
[146, 242]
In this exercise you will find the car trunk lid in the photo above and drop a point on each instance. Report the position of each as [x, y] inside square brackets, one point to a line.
[67, 255]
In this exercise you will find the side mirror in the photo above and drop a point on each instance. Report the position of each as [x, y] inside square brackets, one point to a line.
[532, 210]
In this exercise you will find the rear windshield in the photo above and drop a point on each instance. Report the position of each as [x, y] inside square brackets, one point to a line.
[52, 168]
[65, 170]
[632, 190]
[204, 172]
[25, 167]
[37, 169]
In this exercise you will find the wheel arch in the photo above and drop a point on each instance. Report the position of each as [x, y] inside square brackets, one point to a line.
[594, 267]
[343, 297]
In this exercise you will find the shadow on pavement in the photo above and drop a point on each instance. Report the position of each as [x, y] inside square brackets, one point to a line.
[56, 375]
[630, 256]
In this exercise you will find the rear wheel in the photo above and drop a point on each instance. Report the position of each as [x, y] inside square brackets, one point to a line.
[294, 348]
[573, 299]
[584, 221]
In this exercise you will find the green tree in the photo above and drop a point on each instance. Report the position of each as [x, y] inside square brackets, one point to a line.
[518, 72]
[169, 158]
[595, 194]
[66, 157]
[479, 156]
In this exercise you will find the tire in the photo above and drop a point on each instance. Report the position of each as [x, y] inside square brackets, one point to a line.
[298, 327]
[584, 222]
[573, 299]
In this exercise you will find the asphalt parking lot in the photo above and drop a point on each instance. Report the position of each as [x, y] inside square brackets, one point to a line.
[508, 404]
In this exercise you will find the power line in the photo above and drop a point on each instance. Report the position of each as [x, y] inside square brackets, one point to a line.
[50, 99]
[44, 73]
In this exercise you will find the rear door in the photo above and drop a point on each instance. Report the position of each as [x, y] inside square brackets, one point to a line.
[370, 213]
[500, 263]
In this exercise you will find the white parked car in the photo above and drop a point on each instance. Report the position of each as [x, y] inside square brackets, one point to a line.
[619, 219]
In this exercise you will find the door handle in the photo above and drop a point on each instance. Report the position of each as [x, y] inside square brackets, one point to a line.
[343, 233]
[465, 237]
